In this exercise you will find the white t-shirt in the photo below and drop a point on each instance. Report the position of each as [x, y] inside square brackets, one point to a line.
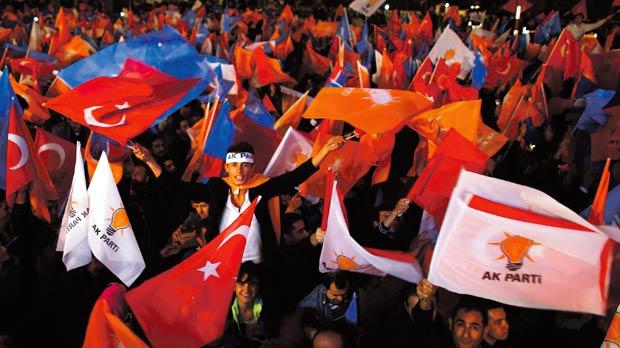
[254, 245]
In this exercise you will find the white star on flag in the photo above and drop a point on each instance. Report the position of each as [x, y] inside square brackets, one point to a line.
[210, 269]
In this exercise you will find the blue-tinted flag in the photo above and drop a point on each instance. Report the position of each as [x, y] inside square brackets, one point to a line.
[255, 110]
[550, 28]
[344, 30]
[165, 50]
[593, 116]
[189, 17]
[479, 71]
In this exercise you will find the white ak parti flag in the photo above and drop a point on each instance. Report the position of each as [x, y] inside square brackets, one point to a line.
[366, 7]
[519, 246]
[73, 234]
[450, 47]
[110, 236]
[341, 252]
[294, 149]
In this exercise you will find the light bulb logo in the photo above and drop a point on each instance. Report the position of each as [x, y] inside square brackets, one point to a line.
[119, 221]
[515, 248]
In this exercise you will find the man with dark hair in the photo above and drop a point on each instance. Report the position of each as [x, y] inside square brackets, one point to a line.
[497, 329]
[467, 323]
[331, 298]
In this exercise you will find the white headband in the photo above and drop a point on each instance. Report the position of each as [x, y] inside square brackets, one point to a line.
[239, 157]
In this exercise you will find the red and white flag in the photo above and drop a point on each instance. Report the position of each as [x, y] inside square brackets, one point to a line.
[519, 246]
[341, 252]
[451, 48]
[294, 149]
[73, 234]
[187, 305]
[57, 155]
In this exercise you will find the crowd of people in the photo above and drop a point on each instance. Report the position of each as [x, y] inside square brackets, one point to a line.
[280, 298]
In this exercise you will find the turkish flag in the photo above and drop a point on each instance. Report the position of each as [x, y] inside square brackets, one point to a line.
[23, 167]
[58, 157]
[187, 305]
[422, 77]
[433, 188]
[124, 106]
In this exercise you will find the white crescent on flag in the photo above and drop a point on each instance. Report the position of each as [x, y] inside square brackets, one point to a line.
[23, 148]
[90, 119]
[56, 148]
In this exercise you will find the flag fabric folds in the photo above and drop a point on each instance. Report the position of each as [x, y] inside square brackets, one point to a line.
[519, 246]
[57, 155]
[110, 235]
[433, 187]
[188, 304]
[341, 252]
[122, 107]
[73, 233]
[293, 150]
[450, 47]
[371, 110]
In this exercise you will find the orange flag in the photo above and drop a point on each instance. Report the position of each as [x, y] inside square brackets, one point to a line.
[35, 112]
[363, 75]
[287, 14]
[105, 328]
[386, 74]
[243, 62]
[463, 116]
[597, 214]
[513, 110]
[63, 34]
[489, 141]
[73, 50]
[371, 110]
[324, 29]
[268, 70]
[315, 62]
[292, 116]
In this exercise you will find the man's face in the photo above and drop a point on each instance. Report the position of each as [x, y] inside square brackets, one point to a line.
[578, 19]
[246, 289]
[201, 208]
[497, 329]
[467, 328]
[335, 295]
[297, 234]
[158, 148]
[239, 173]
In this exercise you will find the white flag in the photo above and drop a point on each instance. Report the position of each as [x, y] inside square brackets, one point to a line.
[293, 148]
[72, 237]
[519, 246]
[378, 61]
[341, 252]
[450, 47]
[366, 7]
[110, 236]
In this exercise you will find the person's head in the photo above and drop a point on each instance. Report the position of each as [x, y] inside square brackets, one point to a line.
[240, 162]
[201, 208]
[578, 18]
[328, 339]
[294, 228]
[337, 287]
[158, 148]
[497, 328]
[246, 286]
[169, 166]
[467, 323]
[139, 173]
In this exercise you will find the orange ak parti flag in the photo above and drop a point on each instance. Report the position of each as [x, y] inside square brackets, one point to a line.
[513, 110]
[597, 214]
[434, 186]
[463, 116]
[243, 62]
[369, 109]
[124, 106]
[187, 305]
[489, 141]
[35, 112]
